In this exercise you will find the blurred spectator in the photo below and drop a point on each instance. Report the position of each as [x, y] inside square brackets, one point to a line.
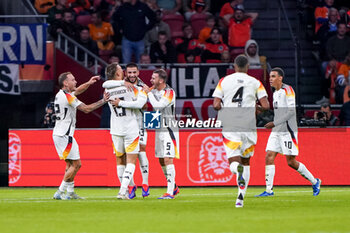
[130, 19]
[162, 51]
[50, 117]
[328, 84]
[343, 79]
[152, 35]
[213, 48]
[321, 14]
[344, 115]
[239, 27]
[114, 58]
[228, 8]
[187, 43]
[251, 50]
[79, 7]
[204, 34]
[145, 62]
[168, 6]
[325, 114]
[191, 7]
[65, 25]
[42, 6]
[338, 46]
[226, 57]
[101, 32]
[86, 41]
[55, 13]
[327, 30]
[190, 57]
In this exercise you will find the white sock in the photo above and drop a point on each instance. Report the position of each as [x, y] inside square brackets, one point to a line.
[70, 187]
[269, 176]
[127, 177]
[144, 167]
[246, 177]
[63, 186]
[164, 170]
[306, 174]
[233, 167]
[120, 172]
[170, 169]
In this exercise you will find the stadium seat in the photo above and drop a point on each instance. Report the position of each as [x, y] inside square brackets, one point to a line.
[175, 23]
[83, 20]
[198, 22]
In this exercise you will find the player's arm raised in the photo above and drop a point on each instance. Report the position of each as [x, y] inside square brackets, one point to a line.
[163, 102]
[91, 107]
[83, 87]
[117, 83]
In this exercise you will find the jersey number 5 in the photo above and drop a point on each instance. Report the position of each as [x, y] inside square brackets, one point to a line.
[238, 97]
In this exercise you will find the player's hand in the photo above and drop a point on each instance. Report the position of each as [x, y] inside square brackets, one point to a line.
[146, 88]
[115, 102]
[129, 86]
[269, 125]
[94, 79]
[106, 96]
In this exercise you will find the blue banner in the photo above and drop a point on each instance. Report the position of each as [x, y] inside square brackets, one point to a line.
[23, 43]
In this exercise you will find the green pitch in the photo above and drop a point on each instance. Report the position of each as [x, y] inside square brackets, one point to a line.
[292, 209]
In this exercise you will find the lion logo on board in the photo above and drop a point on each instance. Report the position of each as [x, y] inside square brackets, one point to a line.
[14, 158]
[213, 164]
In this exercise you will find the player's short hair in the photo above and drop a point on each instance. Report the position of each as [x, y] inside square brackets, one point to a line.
[241, 61]
[162, 33]
[279, 71]
[131, 65]
[63, 77]
[162, 74]
[111, 70]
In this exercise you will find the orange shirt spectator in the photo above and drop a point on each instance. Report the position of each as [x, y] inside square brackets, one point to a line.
[42, 6]
[321, 14]
[204, 34]
[101, 32]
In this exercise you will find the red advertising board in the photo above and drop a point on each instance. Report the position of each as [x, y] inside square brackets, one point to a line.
[33, 160]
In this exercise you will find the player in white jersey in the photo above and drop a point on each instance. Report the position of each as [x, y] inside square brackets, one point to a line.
[235, 96]
[124, 105]
[162, 99]
[66, 105]
[284, 136]
[132, 79]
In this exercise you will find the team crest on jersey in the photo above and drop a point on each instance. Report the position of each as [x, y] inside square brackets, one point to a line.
[152, 120]
[221, 48]
[14, 158]
[213, 165]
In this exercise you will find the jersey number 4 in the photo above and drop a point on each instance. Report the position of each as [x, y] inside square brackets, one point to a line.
[238, 97]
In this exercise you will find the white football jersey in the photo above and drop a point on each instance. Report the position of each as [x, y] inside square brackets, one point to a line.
[239, 93]
[285, 118]
[65, 110]
[124, 118]
[164, 102]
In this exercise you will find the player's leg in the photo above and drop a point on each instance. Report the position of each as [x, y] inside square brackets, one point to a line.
[121, 164]
[144, 164]
[304, 172]
[170, 151]
[132, 148]
[291, 150]
[76, 165]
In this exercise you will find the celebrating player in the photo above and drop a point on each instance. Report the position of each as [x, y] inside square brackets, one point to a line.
[66, 105]
[235, 96]
[284, 136]
[124, 124]
[132, 76]
[162, 99]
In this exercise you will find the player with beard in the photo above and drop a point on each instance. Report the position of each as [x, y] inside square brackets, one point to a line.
[132, 80]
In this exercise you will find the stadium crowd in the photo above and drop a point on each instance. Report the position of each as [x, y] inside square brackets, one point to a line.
[193, 31]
